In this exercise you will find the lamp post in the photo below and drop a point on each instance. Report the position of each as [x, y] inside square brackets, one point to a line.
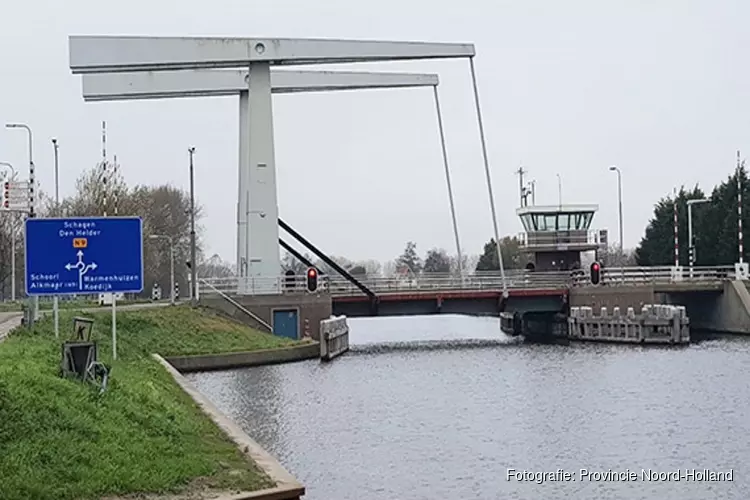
[193, 264]
[33, 301]
[12, 238]
[171, 262]
[691, 245]
[614, 168]
[559, 190]
[11, 168]
[57, 178]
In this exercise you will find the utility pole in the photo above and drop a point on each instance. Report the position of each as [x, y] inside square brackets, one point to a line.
[521, 189]
[616, 169]
[33, 303]
[739, 208]
[193, 264]
[691, 244]
[12, 238]
[57, 178]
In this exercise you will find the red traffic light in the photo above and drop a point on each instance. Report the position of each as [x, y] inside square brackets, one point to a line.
[312, 279]
[596, 273]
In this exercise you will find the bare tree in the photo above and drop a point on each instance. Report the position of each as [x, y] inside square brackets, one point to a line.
[165, 211]
[215, 267]
[612, 256]
[292, 263]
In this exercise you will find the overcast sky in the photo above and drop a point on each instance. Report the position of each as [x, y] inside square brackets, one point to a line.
[659, 88]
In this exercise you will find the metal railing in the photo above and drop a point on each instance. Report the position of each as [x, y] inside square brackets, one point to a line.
[339, 286]
[559, 238]
[516, 279]
[657, 275]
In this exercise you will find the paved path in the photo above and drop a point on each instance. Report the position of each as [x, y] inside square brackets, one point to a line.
[9, 321]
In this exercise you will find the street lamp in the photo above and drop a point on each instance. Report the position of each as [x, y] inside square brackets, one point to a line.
[33, 302]
[12, 238]
[614, 168]
[193, 264]
[57, 179]
[691, 246]
[171, 261]
[559, 190]
[12, 170]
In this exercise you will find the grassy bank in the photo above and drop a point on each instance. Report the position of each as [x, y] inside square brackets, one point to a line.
[60, 440]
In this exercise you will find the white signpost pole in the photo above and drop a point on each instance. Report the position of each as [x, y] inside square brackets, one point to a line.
[56, 315]
[114, 326]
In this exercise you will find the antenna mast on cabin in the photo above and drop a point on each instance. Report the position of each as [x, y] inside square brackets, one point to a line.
[521, 189]
[525, 190]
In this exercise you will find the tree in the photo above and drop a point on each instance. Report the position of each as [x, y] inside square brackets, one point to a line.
[290, 262]
[613, 257]
[215, 267]
[437, 261]
[165, 211]
[513, 255]
[714, 228]
[372, 267]
[326, 269]
[409, 261]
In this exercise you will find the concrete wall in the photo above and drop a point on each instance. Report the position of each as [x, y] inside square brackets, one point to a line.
[727, 311]
[226, 361]
[487, 306]
[311, 307]
[623, 297]
[287, 487]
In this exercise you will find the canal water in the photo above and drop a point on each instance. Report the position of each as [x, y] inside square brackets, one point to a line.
[440, 407]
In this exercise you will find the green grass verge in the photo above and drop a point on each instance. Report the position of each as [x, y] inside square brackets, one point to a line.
[60, 440]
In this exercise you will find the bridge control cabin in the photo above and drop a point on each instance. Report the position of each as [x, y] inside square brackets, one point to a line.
[555, 236]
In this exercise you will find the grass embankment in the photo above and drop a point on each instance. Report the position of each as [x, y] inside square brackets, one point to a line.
[60, 440]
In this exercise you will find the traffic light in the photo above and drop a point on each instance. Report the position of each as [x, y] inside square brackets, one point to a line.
[312, 279]
[596, 273]
[6, 195]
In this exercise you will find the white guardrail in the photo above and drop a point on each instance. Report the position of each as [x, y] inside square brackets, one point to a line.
[515, 279]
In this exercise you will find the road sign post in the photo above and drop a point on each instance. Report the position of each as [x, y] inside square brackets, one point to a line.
[84, 256]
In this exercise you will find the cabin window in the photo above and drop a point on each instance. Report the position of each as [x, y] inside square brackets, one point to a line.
[551, 222]
[563, 222]
[527, 224]
[587, 220]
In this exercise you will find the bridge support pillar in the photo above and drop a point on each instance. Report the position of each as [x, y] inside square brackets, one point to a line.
[741, 271]
[258, 213]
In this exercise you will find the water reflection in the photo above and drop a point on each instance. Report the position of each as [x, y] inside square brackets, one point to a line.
[444, 418]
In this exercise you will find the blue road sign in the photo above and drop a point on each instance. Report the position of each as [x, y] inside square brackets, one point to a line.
[84, 255]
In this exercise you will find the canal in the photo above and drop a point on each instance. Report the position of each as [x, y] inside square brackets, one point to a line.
[440, 407]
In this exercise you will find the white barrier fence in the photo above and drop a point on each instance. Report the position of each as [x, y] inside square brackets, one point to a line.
[334, 337]
[515, 279]
[658, 275]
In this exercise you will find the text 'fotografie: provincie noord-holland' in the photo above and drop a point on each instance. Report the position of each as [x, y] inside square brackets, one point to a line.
[688, 475]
